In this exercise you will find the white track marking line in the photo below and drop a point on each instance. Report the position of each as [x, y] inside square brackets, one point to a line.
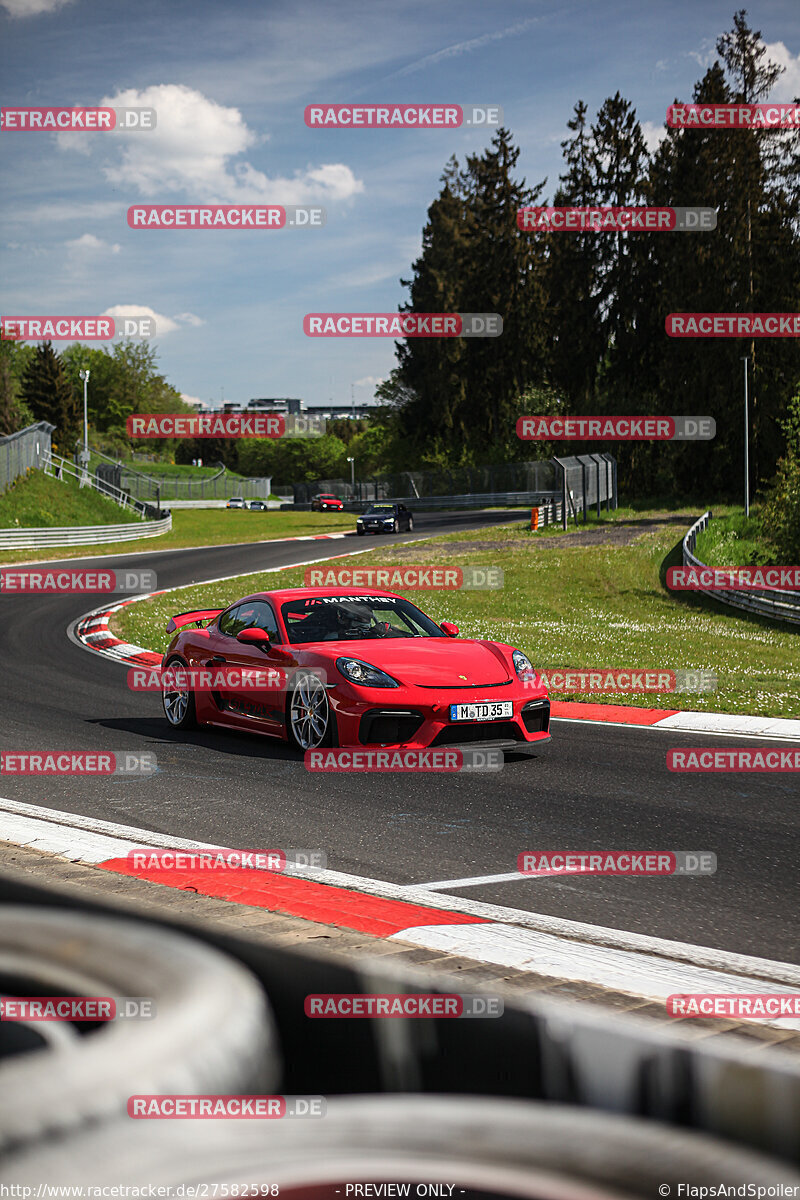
[72, 828]
[624, 971]
[474, 881]
[660, 727]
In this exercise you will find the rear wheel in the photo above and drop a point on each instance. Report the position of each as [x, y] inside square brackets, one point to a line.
[179, 705]
[410, 524]
[309, 719]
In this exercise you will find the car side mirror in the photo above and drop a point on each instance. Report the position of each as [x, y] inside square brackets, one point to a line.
[253, 636]
[449, 628]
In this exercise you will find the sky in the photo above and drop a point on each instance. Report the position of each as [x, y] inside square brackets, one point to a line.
[230, 82]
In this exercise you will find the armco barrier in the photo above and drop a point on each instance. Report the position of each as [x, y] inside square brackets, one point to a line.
[775, 605]
[81, 535]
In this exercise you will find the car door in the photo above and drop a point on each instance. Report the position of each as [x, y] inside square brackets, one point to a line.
[244, 705]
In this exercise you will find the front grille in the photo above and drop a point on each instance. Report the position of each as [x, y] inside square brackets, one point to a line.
[536, 716]
[485, 731]
[379, 728]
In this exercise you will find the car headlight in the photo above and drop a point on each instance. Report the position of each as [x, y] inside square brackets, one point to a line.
[359, 521]
[388, 520]
[523, 665]
[356, 671]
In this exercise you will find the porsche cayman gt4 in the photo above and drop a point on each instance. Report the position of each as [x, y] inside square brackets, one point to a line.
[349, 668]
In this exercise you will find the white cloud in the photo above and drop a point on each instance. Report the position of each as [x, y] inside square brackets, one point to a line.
[163, 324]
[31, 8]
[191, 151]
[368, 381]
[653, 135]
[788, 86]
[466, 47]
[88, 244]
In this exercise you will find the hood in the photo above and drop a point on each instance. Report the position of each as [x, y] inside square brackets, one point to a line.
[431, 662]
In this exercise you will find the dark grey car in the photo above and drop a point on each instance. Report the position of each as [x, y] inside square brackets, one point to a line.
[385, 518]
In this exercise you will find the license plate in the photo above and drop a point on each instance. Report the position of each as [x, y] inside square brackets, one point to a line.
[486, 710]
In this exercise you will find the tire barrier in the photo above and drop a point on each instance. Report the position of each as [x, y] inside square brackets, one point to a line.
[211, 1032]
[468, 1146]
[552, 1053]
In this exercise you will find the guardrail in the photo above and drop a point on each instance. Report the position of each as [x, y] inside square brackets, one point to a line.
[432, 503]
[81, 535]
[57, 467]
[775, 605]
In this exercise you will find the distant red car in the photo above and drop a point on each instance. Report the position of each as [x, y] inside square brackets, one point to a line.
[359, 668]
[324, 501]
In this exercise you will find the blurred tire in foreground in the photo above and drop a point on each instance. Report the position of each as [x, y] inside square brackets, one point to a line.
[212, 1031]
[477, 1146]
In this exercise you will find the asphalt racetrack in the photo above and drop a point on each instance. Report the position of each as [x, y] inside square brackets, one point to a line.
[596, 787]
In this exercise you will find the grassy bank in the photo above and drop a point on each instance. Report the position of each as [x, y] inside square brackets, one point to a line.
[566, 604]
[37, 501]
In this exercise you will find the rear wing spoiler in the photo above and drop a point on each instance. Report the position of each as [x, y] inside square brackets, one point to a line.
[192, 618]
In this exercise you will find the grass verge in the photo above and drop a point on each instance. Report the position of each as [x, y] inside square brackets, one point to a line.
[567, 604]
[203, 527]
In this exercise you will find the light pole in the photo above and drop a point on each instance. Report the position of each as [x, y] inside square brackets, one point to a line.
[85, 452]
[746, 446]
[352, 462]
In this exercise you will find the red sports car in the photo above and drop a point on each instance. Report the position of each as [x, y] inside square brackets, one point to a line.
[356, 668]
[326, 501]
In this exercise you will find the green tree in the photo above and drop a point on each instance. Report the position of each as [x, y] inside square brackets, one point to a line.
[49, 395]
[14, 413]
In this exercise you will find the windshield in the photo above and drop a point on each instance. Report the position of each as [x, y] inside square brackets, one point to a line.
[355, 618]
[381, 509]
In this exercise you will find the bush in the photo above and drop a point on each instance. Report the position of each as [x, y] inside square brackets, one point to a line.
[781, 513]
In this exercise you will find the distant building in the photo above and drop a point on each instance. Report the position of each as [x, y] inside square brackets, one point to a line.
[276, 404]
[352, 411]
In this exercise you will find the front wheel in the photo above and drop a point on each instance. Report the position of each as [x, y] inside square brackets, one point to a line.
[179, 705]
[396, 526]
[310, 723]
[360, 532]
